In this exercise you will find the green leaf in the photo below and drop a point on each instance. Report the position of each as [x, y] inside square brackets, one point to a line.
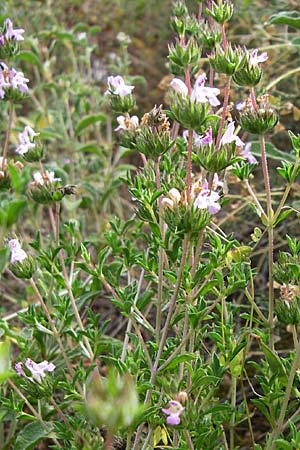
[88, 148]
[274, 361]
[177, 360]
[291, 18]
[283, 215]
[31, 58]
[272, 152]
[31, 435]
[10, 212]
[4, 253]
[282, 444]
[89, 120]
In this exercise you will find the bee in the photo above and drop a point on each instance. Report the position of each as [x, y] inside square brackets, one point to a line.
[69, 189]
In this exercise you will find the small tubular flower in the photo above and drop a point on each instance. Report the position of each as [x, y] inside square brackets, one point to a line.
[173, 412]
[229, 136]
[42, 179]
[179, 86]
[208, 199]
[246, 153]
[117, 86]
[11, 33]
[203, 94]
[17, 254]
[38, 369]
[256, 59]
[26, 140]
[127, 123]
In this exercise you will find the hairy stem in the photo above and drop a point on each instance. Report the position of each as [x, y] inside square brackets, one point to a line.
[270, 237]
[34, 412]
[280, 423]
[224, 111]
[7, 134]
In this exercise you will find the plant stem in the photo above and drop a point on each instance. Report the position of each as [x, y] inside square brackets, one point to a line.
[270, 237]
[188, 439]
[7, 134]
[129, 324]
[255, 199]
[34, 412]
[52, 325]
[280, 423]
[189, 166]
[253, 99]
[164, 334]
[224, 111]
[160, 255]
[233, 405]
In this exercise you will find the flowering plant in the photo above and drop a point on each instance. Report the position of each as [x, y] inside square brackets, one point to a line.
[149, 292]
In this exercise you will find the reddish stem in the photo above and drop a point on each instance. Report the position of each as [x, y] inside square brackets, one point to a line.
[224, 110]
[253, 99]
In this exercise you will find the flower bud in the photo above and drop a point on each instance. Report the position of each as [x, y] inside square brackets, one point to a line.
[227, 61]
[258, 121]
[221, 12]
[181, 57]
[103, 394]
[22, 265]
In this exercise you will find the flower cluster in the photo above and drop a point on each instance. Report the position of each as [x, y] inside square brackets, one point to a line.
[205, 199]
[9, 33]
[26, 139]
[199, 93]
[12, 79]
[37, 370]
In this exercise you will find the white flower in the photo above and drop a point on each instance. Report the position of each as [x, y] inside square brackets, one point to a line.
[18, 81]
[127, 123]
[38, 369]
[13, 34]
[229, 136]
[25, 140]
[174, 195]
[246, 153]
[208, 199]
[46, 177]
[17, 254]
[203, 94]
[256, 59]
[179, 86]
[117, 86]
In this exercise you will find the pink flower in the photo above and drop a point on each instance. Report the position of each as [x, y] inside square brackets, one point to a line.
[246, 153]
[12, 34]
[200, 139]
[229, 136]
[25, 140]
[19, 369]
[173, 412]
[203, 94]
[17, 254]
[256, 59]
[18, 81]
[117, 86]
[208, 199]
[179, 86]
[38, 369]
